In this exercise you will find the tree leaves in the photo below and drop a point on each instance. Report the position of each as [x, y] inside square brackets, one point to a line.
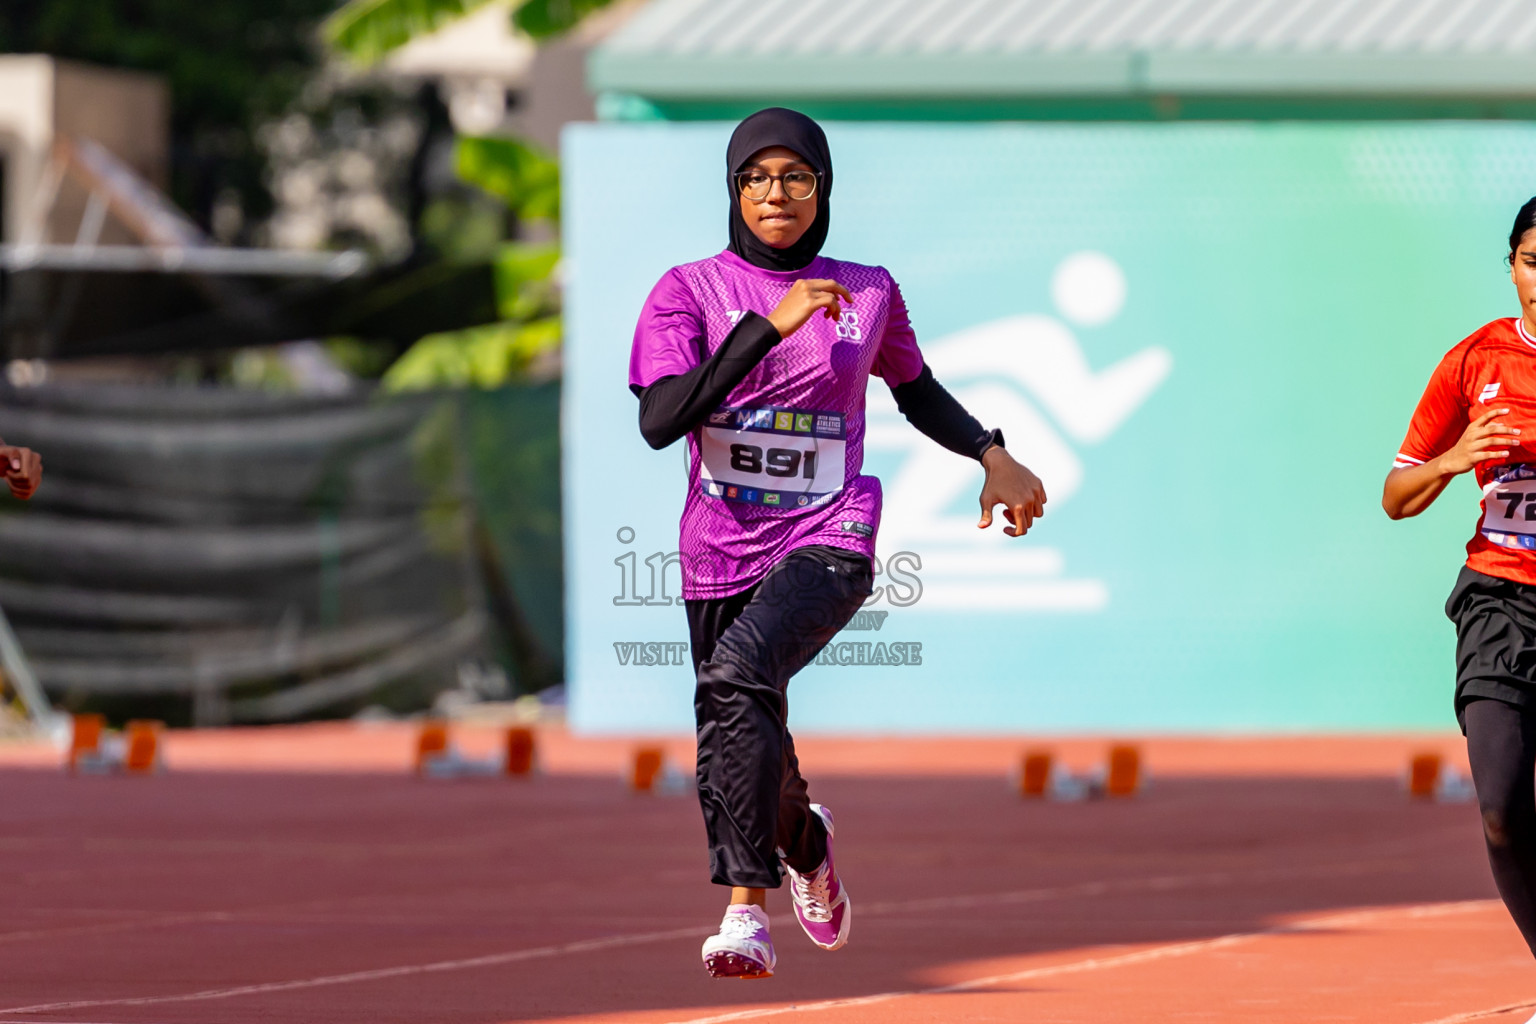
[525, 279]
[366, 30]
[519, 173]
[544, 19]
[480, 357]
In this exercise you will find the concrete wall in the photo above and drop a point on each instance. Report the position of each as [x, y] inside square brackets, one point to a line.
[26, 132]
[41, 99]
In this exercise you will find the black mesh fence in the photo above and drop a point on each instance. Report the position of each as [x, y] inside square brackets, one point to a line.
[212, 555]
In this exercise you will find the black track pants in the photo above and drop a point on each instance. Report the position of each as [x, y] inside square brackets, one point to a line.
[1501, 743]
[745, 648]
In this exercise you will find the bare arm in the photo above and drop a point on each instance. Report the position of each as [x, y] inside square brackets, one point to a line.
[1410, 490]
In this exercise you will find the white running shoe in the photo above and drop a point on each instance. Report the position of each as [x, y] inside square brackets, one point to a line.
[821, 903]
[743, 947]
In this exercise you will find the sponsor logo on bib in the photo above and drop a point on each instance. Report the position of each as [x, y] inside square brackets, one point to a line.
[802, 453]
[1509, 507]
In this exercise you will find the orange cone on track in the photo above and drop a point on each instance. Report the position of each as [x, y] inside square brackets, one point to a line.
[1035, 774]
[141, 755]
[520, 750]
[85, 740]
[1124, 777]
[646, 769]
[431, 743]
[1424, 775]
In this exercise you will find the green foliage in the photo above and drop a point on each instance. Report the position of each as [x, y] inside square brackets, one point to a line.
[525, 286]
[259, 369]
[366, 30]
[544, 19]
[522, 176]
[478, 357]
[463, 228]
[519, 173]
[527, 180]
[366, 359]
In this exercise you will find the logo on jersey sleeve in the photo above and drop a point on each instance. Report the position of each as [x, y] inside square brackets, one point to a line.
[1490, 392]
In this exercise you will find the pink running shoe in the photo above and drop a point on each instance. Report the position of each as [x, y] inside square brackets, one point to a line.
[742, 948]
[821, 902]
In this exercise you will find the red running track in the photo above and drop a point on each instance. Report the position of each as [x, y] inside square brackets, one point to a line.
[1256, 881]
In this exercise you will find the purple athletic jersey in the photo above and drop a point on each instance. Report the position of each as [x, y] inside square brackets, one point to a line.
[777, 466]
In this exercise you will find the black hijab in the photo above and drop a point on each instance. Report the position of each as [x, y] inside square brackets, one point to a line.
[778, 126]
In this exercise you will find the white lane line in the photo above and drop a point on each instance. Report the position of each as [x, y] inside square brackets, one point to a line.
[1100, 963]
[378, 974]
[1087, 889]
[1497, 1011]
[938, 903]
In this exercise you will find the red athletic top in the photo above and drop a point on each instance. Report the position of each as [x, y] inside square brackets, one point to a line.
[1495, 366]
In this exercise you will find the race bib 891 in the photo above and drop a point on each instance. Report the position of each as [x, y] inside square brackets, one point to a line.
[1509, 506]
[776, 457]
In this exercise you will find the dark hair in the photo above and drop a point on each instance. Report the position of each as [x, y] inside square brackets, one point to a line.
[1525, 220]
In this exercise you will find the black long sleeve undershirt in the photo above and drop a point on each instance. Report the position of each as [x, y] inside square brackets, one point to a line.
[673, 406]
[939, 415]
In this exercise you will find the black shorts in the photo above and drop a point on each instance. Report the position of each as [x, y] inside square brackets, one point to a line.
[1495, 640]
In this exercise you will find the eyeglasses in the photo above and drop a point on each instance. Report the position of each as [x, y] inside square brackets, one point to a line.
[755, 183]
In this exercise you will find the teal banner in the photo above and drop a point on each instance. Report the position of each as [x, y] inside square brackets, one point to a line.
[1207, 339]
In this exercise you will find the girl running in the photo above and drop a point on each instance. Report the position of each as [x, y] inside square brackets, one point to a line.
[760, 356]
[1479, 414]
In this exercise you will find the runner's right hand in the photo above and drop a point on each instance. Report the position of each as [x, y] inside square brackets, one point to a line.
[805, 297]
[1482, 440]
[23, 469]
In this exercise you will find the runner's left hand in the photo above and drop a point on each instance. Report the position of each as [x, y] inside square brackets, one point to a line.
[1011, 485]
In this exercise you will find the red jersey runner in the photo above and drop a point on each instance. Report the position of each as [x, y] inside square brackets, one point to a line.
[1495, 367]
